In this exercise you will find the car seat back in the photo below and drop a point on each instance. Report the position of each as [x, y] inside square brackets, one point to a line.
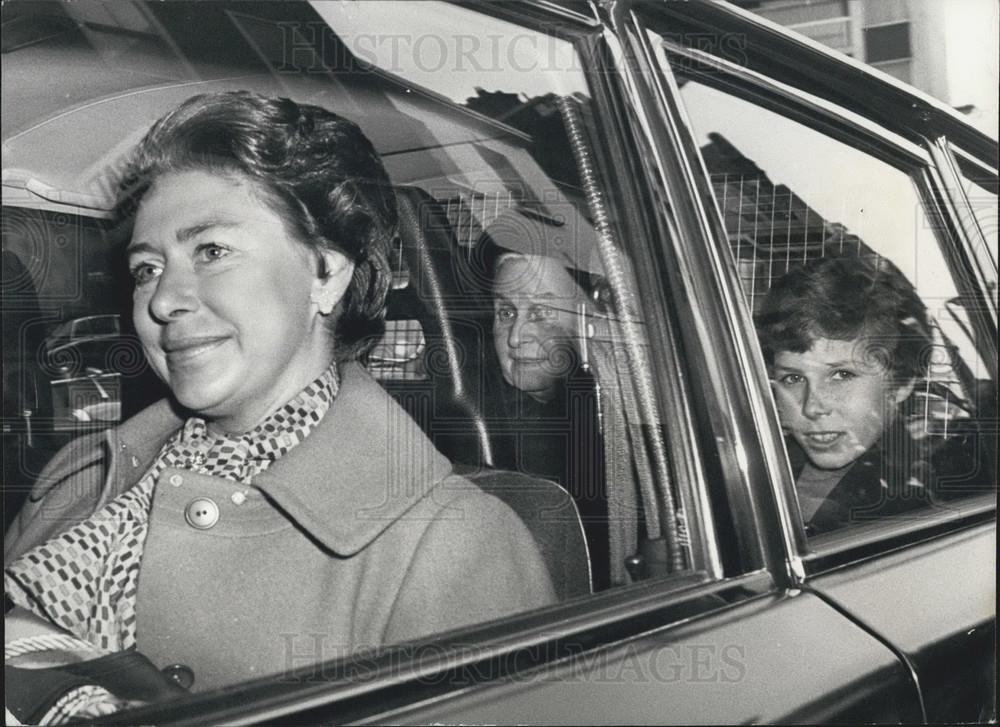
[553, 520]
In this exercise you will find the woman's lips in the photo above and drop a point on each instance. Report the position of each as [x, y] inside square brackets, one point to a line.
[185, 350]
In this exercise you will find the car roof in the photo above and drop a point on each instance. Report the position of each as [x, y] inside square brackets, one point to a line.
[66, 148]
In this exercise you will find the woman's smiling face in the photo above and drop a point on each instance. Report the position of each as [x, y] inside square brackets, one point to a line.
[535, 308]
[223, 300]
[835, 401]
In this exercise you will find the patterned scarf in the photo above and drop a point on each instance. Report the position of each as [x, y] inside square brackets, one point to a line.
[85, 580]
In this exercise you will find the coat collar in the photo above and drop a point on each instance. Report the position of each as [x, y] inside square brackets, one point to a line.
[857, 489]
[361, 469]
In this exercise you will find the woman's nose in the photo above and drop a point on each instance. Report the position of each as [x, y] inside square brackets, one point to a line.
[175, 295]
[816, 403]
[521, 331]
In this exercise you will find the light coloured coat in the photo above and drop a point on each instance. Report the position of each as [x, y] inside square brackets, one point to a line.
[359, 537]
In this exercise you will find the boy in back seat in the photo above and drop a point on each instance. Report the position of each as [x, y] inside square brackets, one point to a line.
[847, 342]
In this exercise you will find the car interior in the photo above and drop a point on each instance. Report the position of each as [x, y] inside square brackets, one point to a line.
[457, 163]
[434, 356]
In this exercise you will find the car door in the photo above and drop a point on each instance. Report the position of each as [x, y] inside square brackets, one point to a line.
[924, 585]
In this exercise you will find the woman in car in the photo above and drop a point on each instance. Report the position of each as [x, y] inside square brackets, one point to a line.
[279, 508]
[545, 339]
[847, 341]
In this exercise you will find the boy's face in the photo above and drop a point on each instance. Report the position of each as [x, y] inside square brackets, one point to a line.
[834, 400]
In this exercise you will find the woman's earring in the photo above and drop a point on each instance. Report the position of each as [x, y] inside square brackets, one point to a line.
[325, 300]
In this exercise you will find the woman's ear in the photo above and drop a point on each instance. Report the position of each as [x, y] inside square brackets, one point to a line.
[335, 274]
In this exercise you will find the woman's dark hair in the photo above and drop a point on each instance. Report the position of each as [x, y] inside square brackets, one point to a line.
[315, 169]
[844, 299]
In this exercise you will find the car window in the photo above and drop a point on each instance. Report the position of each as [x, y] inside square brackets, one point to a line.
[514, 337]
[886, 425]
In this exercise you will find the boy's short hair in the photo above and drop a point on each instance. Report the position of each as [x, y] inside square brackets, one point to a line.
[845, 299]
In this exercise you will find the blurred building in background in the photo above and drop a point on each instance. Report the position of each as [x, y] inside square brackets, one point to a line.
[947, 48]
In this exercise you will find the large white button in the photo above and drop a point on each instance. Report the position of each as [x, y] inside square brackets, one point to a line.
[202, 513]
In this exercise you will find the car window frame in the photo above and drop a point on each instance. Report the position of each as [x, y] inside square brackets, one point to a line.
[920, 163]
[759, 474]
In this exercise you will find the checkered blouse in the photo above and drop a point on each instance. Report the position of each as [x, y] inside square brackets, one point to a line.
[85, 580]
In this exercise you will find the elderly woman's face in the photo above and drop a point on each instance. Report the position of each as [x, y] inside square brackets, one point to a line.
[224, 298]
[536, 305]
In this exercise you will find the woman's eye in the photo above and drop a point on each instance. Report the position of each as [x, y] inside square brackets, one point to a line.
[541, 313]
[212, 252]
[505, 315]
[144, 272]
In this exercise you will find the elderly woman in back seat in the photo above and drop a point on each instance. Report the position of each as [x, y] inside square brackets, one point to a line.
[279, 493]
[546, 342]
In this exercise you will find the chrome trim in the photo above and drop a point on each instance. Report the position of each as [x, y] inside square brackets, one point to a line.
[534, 14]
[684, 446]
[974, 160]
[733, 326]
[291, 692]
[756, 578]
[838, 545]
[805, 99]
[554, 8]
[932, 184]
[904, 658]
[950, 180]
[803, 64]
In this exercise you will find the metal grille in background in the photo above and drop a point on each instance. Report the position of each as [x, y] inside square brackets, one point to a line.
[471, 213]
[398, 356]
[771, 230]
